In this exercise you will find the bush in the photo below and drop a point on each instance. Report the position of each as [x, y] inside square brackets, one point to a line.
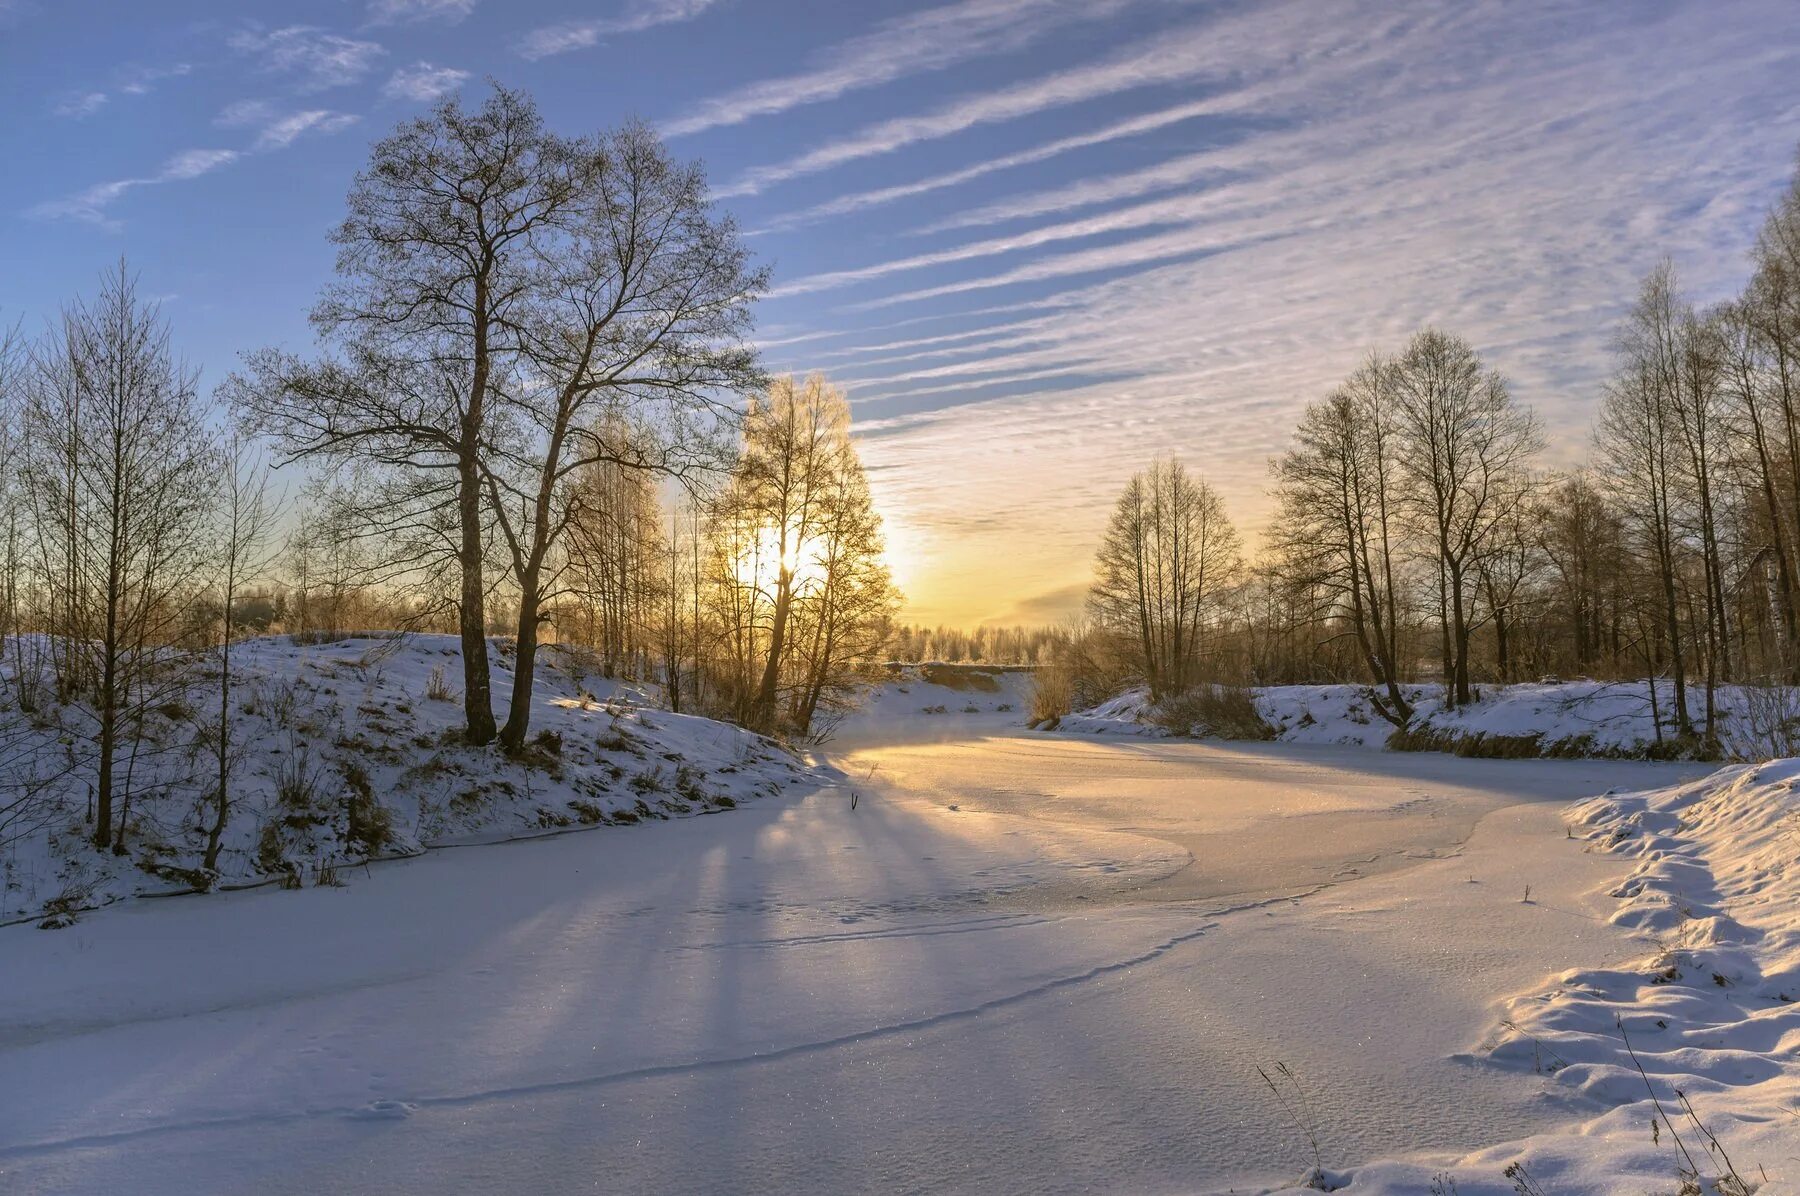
[311, 822]
[1052, 694]
[690, 783]
[1768, 726]
[368, 825]
[437, 688]
[1218, 711]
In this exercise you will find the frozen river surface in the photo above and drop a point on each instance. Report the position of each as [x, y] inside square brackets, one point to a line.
[1021, 963]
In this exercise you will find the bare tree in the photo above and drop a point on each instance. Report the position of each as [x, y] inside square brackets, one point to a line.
[247, 518]
[1168, 557]
[640, 317]
[1464, 450]
[614, 563]
[439, 270]
[122, 472]
[797, 584]
[1335, 521]
[1640, 438]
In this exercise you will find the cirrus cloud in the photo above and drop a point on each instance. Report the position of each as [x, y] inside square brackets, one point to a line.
[422, 82]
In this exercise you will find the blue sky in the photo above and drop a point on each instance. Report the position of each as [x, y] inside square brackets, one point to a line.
[1037, 240]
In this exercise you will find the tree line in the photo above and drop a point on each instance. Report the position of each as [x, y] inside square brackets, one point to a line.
[533, 412]
[1416, 535]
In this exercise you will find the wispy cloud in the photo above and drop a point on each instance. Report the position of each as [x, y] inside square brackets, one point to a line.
[317, 60]
[422, 81]
[91, 203]
[908, 45]
[284, 131]
[581, 35]
[78, 106]
[1134, 126]
[141, 80]
[1207, 54]
[130, 81]
[241, 114]
[275, 130]
[1492, 168]
[407, 12]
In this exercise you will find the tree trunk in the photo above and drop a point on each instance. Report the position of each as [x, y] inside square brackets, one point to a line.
[478, 708]
[763, 711]
[518, 710]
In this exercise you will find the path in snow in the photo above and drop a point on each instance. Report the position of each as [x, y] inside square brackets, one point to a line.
[1037, 991]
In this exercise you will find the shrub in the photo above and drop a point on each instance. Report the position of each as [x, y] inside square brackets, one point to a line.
[1052, 694]
[1768, 726]
[688, 783]
[368, 825]
[1219, 711]
[437, 687]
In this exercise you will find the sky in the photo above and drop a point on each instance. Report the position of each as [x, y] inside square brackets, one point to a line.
[1037, 242]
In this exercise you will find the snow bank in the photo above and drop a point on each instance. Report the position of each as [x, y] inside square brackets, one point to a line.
[1560, 718]
[1693, 1052]
[351, 749]
[933, 699]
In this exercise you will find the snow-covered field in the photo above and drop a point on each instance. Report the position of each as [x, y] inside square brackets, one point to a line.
[1557, 718]
[331, 739]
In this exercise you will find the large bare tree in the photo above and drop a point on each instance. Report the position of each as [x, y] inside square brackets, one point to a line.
[1335, 521]
[440, 269]
[639, 319]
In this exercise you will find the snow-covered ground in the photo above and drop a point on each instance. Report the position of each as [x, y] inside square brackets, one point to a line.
[1692, 1047]
[975, 962]
[332, 738]
[1557, 718]
[937, 701]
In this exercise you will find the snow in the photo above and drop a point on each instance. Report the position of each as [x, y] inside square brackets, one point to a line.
[1018, 963]
[952, 956]
[1563, 718]
[1704, 1018]
[357, 718]
[937, 700]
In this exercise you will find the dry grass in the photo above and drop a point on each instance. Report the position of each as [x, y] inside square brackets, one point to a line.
[1052, 695]
[1216, 711]
[963, 678]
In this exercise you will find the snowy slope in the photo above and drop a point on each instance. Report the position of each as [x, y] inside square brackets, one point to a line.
[350, 749]
[1561, 718]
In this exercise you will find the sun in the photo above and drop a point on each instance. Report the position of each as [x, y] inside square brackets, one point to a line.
[763, 560]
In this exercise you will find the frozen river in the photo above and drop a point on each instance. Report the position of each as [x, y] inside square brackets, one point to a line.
[1065, 983]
